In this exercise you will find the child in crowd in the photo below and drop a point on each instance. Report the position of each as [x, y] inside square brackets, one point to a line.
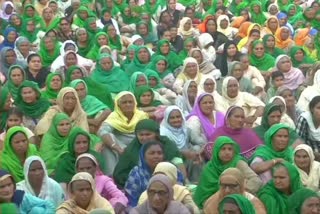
[277, 80]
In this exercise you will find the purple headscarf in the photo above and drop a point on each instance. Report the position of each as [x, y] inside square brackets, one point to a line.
[245, 137]
[206, 124]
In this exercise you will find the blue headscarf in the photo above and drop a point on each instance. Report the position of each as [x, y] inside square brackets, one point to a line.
[5, 42]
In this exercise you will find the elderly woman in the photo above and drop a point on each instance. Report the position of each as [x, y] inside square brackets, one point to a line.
[67, 102]
[231, 181]
[22, 47]
[38, 183]
[235, 69]
[16, 76]
[140, 61]
[54, 83]
[161, 186]
[304, 201]
[205, 66]
[209, 85]
[226, 154]
[83, 203]
[187, 100]
[117, 130]
[285, 118]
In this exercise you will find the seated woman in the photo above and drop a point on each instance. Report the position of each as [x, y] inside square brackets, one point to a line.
[234, 128]
[226, 154]
[269, 42]
[31, 103]
[283, 39]
[38, 183]
[308, 168]
[54, 83]
[252, 34]
[7, 58]
[180, 192]
[300, 59]
[140, 61]
[274, 195]
[276, 149]
[187, 100]
[235, 69]
[69, 59]
[161, 185]
[16, 150]
[49, 50]
[100, 39]
[104, 184]
[304, 201]
[16, 76]
[146, 130]
[117, 131]
[186, 30]
[280, 101]
[25, 202]
[68, 103]
[232, 181]
[231, 95]
[225, 27]
[55, 141]
[237, 203]
[83, 203]
[23, 48]
[203, 120]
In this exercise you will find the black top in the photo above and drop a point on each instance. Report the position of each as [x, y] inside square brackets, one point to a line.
[40, 77]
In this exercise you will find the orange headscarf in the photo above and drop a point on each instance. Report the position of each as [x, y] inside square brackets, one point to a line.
[237, 22]
[267, 29]
[282, 43]
[202, 26]
[301, 36]
[243, 30]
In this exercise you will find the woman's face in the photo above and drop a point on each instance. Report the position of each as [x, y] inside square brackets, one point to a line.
[14, 120]
[7, 190]
[161, 66]
[71, 59]
[36, 173]
[175, 119]
[231, 208]
[237, 71]
[158, 196]
[10, 57]
[270, 42]
[49, 43]
[224, 23]
[56, 83]
[146, 98]
[83, 15]
[165, 48]
[152, 81]
[8, 9]
[229, 185]
[302, 159]
[81, 91]
[231, 50]
[69, 101]
[143, 29]
[191, 69]
[311, 206]
[207, 105]
[280, 140]
[187, 25]
[198, 56]
[273, 10]
[299, 55]
[81, 144]
[87, 165]
[153, 156]
[274, 117]
[30, 12]
[64, 128]
[106, 63]
[143, 55]
[284, 64]
[112, 31]
[16, 76]
[256, 9]
[15, 20]
[141, 80]
[82, 36]
[76, 74]
[211, 26]
[126, 104]
[289, 98]
[102, 40]
[29, 95]
[236, 118]
[208, 86]
[284, 34]
[258, 50]
[192, 89]
[24, 47]
[35, 63]
[316, 112]
[48, 13]
[12, 36]
[232, 88]
[82, 193]
[19, 143]
[281, 179]
[8, 103]
[226, 153]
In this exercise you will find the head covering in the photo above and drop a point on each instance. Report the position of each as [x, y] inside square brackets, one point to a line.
[49, 93]
[174, 61]
[306, 59]
[242, 202]
[4, 65]
[141, 90]
[228, 31]
[83, 50]
[18, 194]
[136, 64]
[275, 51]
[47, 58]
[184, 76]
[297, 199]
[13, 89]
[264, 63]
[280, 43]
[165, 180]
[236, 175]
[205, 66]
[151, 73]
[4, 94]
[182, 31]
[243, 29]
[259, 17]
[134, 78]
[9, 159]
[94, 52]
[34, 110]
[3, 13]
[209, 180]
[6, 42]
[186, 105]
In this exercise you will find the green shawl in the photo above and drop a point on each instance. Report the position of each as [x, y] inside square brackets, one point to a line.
[136, 65]
[139, 91]
[3, 25]
[94, 88]
[94, 52]
[83, 51]
[184, 52]
[266, 152]
[115, 79]
[127, 61]
[296, 63]
[113, 43]
[152, 9]
[49, 93]
[78, 20]
[9, 160]
[31, 36]
[37, 19]
[33, 110]
[4, 94]
[297, 199]
[133, 80]
[48, 59]
[121, 6]
[188, 3]
[274, 200]
[151, 73]
[90, 104]
[13, 89]
[66, 164]
[174, 61]
[245, 206]
[317, 45]
[53, 144]
[91, 32]
[209, 179]
[264, 63]
[153, 66]
[130, 157]
[276, 51]
[259, 18]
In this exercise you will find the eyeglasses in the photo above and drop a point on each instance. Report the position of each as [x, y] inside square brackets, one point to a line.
[160, 193]
[230, 186]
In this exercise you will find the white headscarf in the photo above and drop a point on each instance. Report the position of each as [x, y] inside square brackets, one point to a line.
[285, 117]
[3, 12]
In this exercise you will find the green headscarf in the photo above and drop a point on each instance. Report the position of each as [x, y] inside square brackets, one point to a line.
[90, 104]
[83, 51]
[48, 59]
[9, 160]
[296, 63]
[276, 51]
[133, 80]
[274, 200]
[153, 66]
[114, 44]
[136, 65]
[184, 52]
[259, 18]
[152, 9]
[209, 179]
[151, 73]
[13, 89]
[53, 144]
[31, 36]
[49, 93]
[267, 152]
[317, 45]
[127, 61]
[37, 19]
[245, 206]
[115, 79]
[66, 164]
[3, 25]
[91, 32]
[4, 94]
[297, 199]
[237, 8]
[130, 157]
[78, 20]
[94, 88]
[150, 38]
[264, 63]
[188, 3]
[140, 91]
[94, 52]
[121, 6]
[33, 110]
